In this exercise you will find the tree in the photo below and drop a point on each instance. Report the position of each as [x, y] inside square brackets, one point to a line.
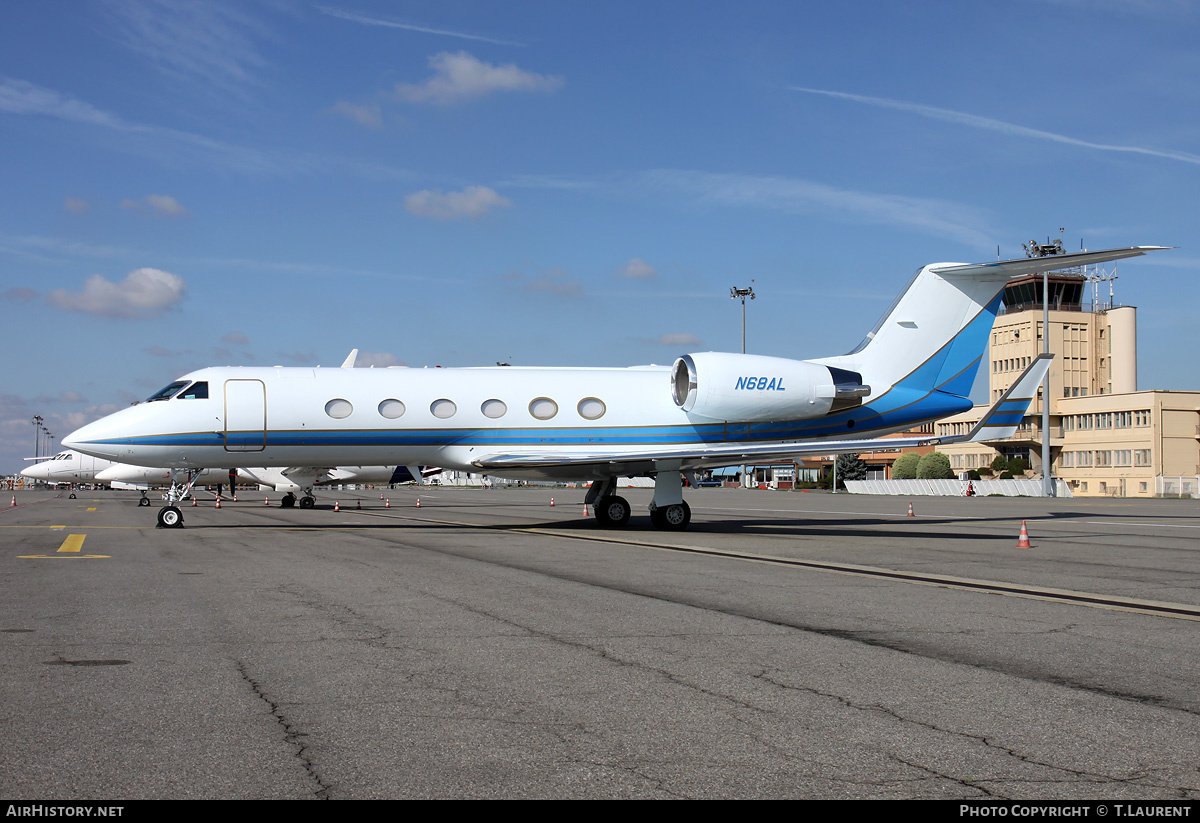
[935, 466]
[849, 467]
[905, 467]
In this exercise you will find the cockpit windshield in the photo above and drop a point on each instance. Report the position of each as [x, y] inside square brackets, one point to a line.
[196, 391]
[167, 392]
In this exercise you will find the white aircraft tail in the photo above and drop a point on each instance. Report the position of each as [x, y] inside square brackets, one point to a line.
[934, 336]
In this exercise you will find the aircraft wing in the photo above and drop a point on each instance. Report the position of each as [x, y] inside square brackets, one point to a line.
[1000, 420]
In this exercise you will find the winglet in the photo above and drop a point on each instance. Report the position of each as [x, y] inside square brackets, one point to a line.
[1002, 419]
[348, 363]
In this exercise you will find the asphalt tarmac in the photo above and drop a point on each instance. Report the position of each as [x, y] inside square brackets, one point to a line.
[488, 645]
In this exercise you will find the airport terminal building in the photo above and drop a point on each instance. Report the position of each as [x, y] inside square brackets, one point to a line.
[1106, 437]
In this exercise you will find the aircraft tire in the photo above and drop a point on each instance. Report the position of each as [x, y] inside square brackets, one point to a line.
[170, 517]
[143, 502]
[675, 517]
[307, 502]
[288, 501]
[72, 496]
[612, 511]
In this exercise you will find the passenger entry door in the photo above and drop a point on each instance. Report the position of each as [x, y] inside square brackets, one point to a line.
[245, 416]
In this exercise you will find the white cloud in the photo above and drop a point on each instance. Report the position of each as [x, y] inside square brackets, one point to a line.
[394, 24]
[161, 204]
[76, 205]
[555, 281]
[166, 205]
[637, 269]
[460, 76]
[209, 45]
[679, 339]
[935, 217]
[473, 202]
[21, 97]
[365, 115]
[22, 293]
[975, 121]
[145, 292]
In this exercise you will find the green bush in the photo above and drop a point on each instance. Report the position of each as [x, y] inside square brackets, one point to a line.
[935, 466]
[905, 467]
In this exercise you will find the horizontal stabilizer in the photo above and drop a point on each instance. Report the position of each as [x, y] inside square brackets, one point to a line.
[1051, 262]
[1005, 414]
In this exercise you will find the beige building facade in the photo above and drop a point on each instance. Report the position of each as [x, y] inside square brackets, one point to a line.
[1106, 437]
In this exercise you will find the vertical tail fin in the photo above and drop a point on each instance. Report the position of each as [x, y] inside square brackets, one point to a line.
[935, 334]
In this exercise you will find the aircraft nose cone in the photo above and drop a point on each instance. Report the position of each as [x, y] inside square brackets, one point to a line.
[90, 439]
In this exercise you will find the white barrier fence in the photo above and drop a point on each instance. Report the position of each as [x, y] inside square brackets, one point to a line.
[1023, 487]
[1177, 486]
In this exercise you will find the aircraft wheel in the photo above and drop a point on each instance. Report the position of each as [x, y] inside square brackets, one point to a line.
[72, 496]
[143, 502]
[612, 511]
[307, 502]
[170, 517]
[288, 501]
[675, 517]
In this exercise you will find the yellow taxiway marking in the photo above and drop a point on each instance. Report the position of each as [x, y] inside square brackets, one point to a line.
[73, 543]
[92, 509]
[69, 549]
[58, 527]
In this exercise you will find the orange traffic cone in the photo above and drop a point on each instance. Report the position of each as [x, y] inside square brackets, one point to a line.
[14, 500]
[910, 510]
[337, 505]
[1023, 541]
[418, 502]
[551, 501]
[585, 511]
[218, 502]
[194, 503]
[387, 503]
[266, 501]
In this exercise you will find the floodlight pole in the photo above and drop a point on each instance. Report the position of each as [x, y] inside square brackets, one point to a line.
[1047, 480]
[735, 293]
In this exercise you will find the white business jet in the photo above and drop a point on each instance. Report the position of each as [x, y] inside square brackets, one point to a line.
[708, 409]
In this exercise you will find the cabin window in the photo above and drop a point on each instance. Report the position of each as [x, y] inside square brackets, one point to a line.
[338, 408]
[591, 408]
[494, 408]
[196, 391]
[443, 409]
[543, 408]
[391, 409]
[168, 392]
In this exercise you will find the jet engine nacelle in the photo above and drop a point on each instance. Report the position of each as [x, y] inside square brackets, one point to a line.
[752, 388]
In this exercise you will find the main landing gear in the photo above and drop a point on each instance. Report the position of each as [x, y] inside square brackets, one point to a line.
[668, 512]
[306, 502]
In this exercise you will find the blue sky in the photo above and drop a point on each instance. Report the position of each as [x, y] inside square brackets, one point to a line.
[185, 184]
